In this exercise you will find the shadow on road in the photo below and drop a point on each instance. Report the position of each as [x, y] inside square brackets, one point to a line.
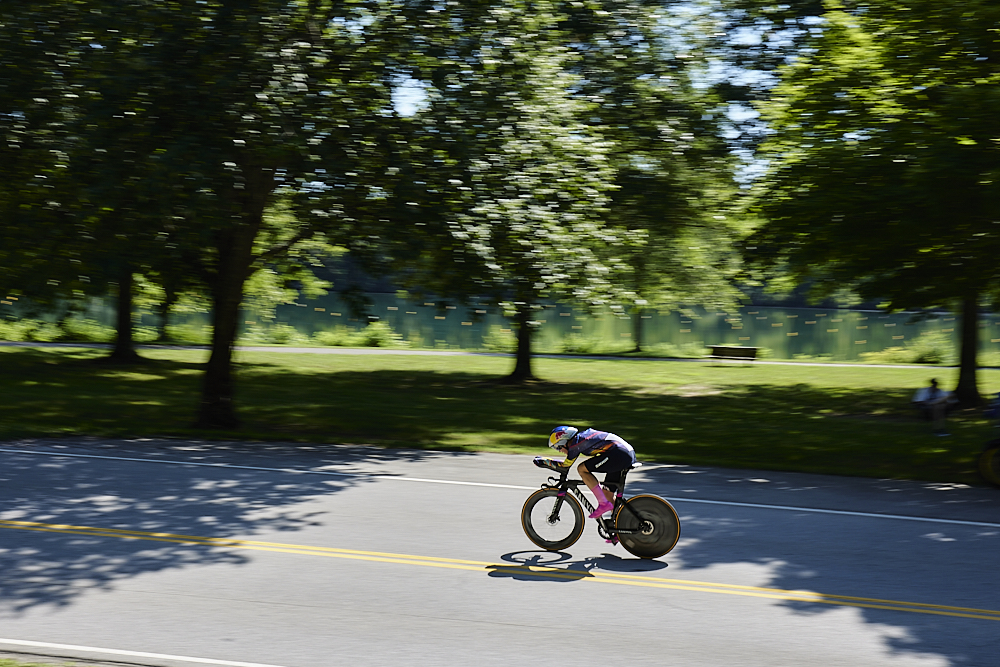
[52, 569]
[560, 566]
[856, 556]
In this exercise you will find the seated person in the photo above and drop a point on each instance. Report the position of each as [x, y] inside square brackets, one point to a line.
[929, 400]
[934, 404]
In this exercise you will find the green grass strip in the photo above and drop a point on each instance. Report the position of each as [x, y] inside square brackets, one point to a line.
[823, 419]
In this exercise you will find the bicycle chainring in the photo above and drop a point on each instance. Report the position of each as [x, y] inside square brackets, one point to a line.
[602, 531]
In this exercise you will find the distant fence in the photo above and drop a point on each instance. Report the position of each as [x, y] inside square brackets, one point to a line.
[783, 333]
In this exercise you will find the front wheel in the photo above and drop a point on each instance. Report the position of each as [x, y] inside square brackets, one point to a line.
[550, 521]
[989, 462]
[656, 531]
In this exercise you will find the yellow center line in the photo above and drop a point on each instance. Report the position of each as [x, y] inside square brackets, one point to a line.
[541, 571]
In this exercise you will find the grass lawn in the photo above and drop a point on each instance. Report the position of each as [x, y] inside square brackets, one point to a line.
[828, 419]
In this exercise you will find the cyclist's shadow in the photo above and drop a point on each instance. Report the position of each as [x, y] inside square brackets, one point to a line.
[560, 566]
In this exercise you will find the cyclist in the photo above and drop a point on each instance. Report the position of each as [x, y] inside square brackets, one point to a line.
[608, 453]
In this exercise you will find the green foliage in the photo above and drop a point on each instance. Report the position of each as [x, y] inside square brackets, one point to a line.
[273, 334]
[380, 334]
[882, 156]
[674, 351]
[87, 330]
[672, 178]
[288, 276]
[38, 240]
[990, 359]
[74, 329]
[144, 334]
[146, 295]
[930, 347]
[264, 291]
[376, 334]
[502, 190]
[576, 343]
[498, 339]
[189, 334]
[162, 138]
[883, 159]
[190, 302]
[29, 330]
[895, 355]
[7, 662]
[339, 336]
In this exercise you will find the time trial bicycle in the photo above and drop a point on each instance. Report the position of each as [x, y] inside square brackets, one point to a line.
[553, 517]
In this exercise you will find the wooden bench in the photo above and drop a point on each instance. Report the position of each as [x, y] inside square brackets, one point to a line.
[733, 352]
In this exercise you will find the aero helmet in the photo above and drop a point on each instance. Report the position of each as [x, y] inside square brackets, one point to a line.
[561, 435]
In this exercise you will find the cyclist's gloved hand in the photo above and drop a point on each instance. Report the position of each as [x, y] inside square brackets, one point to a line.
[542, 462]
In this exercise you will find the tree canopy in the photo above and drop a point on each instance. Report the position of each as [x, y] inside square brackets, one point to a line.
[885, 157]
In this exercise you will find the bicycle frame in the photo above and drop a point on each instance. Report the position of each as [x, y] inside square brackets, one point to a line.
[565, 485]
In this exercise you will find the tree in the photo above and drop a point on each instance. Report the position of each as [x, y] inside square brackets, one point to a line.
[885, 160]
[501, 190]
[637, 63]
[239, 104]
[38, 227]
[83, 211]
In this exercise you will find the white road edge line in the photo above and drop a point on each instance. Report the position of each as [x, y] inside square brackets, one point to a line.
[297, 471]
[815, 510]
[134, 654]
[730, 503]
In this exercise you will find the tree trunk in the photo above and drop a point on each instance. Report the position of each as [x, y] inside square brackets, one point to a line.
[124, 350]
[234, 257]
[967, 390]
[522, 366]
[637, 330]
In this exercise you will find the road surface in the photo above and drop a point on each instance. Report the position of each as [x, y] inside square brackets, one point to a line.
[174, 553]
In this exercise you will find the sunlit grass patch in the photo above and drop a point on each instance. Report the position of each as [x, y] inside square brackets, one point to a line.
[839, 420]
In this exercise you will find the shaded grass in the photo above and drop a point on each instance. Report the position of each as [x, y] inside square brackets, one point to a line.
[839, 420]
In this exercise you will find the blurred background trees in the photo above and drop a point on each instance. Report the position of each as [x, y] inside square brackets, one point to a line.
[188, 120]
[503, 192]
[518, 151]
[884, 160]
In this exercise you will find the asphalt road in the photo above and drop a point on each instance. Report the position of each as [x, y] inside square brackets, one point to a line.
[325, 555]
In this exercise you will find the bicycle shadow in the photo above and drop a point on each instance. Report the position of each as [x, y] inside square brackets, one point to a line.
[559, 566]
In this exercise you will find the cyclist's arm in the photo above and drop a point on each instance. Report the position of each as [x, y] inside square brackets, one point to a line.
[554, 464]
[567, 462]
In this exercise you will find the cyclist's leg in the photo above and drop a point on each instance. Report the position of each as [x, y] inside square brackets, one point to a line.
[588, 477]
[604, 502]
[614, 482]
[614, 460]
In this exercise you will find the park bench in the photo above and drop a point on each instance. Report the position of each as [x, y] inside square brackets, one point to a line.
[732, 352]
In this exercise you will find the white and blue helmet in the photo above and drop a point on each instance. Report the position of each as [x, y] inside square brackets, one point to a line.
[561, 435]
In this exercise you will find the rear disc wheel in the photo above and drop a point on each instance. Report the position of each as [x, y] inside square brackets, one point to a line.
[652, 535]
